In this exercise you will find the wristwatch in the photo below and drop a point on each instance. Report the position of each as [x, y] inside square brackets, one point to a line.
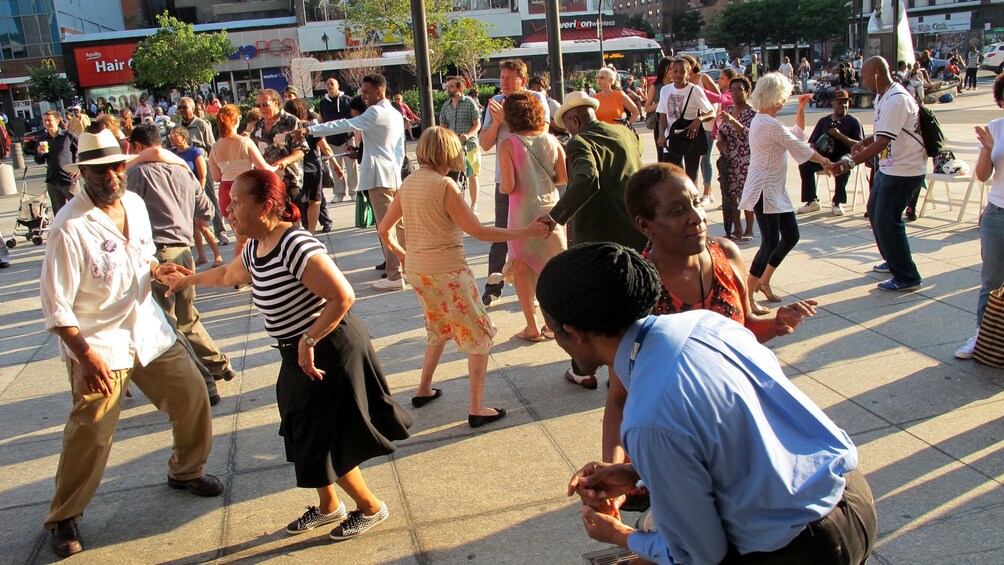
[309, 340]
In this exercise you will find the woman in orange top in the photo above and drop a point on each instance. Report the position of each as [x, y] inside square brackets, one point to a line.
[613, 103]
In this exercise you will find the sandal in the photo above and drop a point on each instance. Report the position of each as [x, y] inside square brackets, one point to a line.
[546, 332]
[218, 263]
[531, 338]
[766, 291]
[201, 261]
[758, 309]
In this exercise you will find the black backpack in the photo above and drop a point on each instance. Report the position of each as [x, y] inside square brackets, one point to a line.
[932, 137]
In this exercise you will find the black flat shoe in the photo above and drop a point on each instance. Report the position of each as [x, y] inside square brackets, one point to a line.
[381, 266]
[420, 401]
[478, 421]
[206, 485]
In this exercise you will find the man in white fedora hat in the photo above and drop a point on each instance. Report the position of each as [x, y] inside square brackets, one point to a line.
[600, 159]
[96, 297]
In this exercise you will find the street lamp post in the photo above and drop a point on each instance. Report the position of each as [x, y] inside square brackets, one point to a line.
[599, 30]
[325, 39]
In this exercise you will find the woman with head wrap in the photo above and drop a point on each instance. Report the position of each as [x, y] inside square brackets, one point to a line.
[334, 404]
[696, 272]
[437, 216]
[764, 191]
[532, 163]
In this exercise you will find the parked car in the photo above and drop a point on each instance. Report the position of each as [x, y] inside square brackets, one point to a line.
[993, 58]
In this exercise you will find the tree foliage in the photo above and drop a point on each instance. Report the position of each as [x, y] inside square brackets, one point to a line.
[177, 56]
[362, 64]
[687, 25]
[47, 83]
[377, 21]
[766, 22]
[468, 44]
[638, 22]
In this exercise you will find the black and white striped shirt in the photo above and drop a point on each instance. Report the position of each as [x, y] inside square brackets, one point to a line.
[289, 307]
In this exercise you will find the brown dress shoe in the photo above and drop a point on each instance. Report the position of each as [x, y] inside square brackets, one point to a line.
[206, 485]
[66, 538]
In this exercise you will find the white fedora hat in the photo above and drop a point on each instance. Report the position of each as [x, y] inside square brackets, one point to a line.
[98, 149]
[574, 100]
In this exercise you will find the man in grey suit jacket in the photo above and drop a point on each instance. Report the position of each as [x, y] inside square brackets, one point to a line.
[383, 156]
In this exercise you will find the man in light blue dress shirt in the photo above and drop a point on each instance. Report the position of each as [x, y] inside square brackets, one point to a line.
[740, 465]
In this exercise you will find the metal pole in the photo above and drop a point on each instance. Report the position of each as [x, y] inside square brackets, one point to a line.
[554, 61]
[422, 65]
[599, 29]
[894, 60]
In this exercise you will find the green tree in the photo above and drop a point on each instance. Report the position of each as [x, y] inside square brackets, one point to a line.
[385, 19]
[48, 84]
[468, 44]
[687, 25]
[177, 56]
[638, 22]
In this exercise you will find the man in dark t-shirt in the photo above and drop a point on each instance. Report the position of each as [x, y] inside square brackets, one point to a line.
[842, 131]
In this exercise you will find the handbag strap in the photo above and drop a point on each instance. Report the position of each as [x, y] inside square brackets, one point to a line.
[686, 103]
[550, 175]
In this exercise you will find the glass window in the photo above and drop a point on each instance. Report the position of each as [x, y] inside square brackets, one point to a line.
[16, 33]
[45, 26]
[11, 8]
[34, 51]
[31, 34]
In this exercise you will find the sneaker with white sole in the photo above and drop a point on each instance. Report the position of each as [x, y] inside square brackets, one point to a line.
[357, 523]
[837, 210]
[882, 267]
[313, 518]
[475, 210]
[809, 207]
[389, 285]
[966, 351]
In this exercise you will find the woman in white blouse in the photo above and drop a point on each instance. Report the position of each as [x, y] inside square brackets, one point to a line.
[764, 191]
[681, 99]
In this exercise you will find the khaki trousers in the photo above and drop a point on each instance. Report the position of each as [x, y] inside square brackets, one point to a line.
[348, 185]
[180, 308]
[380, 199]
[173, 385]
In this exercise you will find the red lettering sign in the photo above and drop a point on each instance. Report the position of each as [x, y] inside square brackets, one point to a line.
[104, 65]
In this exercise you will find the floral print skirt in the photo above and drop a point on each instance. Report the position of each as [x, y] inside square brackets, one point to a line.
[453, 309]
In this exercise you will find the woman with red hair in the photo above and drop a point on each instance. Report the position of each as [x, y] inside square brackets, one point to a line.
[335, 406]
[231, 155]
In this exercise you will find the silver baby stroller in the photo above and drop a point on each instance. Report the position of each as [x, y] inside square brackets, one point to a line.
[33, 215]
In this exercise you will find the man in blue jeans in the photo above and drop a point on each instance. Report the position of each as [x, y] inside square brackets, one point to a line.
[902, 164]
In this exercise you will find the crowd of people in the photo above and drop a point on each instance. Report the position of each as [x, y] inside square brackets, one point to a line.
[606, 254]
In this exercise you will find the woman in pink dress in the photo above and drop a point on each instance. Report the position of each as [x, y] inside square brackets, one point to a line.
[532, 164]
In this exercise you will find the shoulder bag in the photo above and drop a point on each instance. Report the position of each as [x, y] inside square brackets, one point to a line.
[679, 142]
[990, 341]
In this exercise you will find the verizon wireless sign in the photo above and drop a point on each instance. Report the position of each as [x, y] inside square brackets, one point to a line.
[104, 65]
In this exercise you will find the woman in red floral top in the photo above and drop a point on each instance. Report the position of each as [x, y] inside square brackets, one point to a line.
[697, 272]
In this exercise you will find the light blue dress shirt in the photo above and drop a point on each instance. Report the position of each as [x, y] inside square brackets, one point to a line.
[383, 143]
[729, 449]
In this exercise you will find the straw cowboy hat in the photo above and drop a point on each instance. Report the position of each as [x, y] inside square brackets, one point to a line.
[98, 149]
[574, 100]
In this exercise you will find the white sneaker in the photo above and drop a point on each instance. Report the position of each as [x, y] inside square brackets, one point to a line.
[837, 210]
[389, 285]
[475, 210]
[313, 518]
[810, 207]
[966, 351]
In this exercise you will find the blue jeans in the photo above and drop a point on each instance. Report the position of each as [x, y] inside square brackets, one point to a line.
[886, 203]
[992, 250]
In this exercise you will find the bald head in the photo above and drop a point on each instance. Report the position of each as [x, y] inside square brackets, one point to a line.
[875, 74]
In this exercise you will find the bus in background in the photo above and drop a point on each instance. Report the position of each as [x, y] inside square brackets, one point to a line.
[711, 57]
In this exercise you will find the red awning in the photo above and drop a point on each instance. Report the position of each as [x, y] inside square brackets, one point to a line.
[579, 34]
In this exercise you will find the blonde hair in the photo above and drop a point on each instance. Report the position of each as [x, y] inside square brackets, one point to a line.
[773, 89]
[606, 72]
[439, 147]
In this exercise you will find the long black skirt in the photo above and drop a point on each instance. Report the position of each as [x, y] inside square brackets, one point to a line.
[331, 426]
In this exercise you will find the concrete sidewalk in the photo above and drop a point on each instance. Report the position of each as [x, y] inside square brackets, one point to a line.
[928, 427]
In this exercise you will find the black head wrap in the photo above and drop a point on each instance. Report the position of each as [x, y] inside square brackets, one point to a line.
[599, 287]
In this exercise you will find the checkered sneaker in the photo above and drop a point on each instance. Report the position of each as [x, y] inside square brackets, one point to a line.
[313, 518]
[357, 523]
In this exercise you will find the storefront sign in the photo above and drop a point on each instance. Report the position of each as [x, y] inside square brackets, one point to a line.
[572, 23]
[104, 64]
[960, 21]
[274, 47]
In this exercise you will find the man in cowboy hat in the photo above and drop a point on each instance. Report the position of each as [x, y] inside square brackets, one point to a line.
[96, 297]
[601, 158]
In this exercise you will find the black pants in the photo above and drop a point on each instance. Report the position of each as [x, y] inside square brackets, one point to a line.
[690, 161]
[808, 170]
[778, 236]
[499, 250]
[844, 536]
[970, 78]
